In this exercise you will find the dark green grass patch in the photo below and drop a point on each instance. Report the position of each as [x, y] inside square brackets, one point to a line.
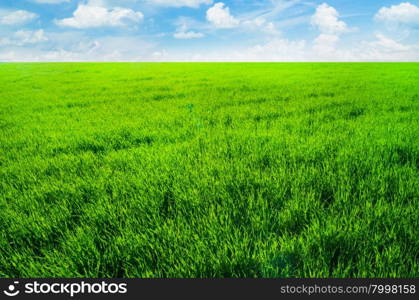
[209, 170]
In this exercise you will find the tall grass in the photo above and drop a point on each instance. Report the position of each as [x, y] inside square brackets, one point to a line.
[209, 170]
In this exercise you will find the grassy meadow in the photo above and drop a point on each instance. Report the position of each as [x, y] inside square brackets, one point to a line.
[209, 170]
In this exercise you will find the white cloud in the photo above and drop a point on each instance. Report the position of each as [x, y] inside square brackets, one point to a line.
[181, 3]
[17, 17]
[404, 13]
[326, 19]
[325, 44]
[260, 23]
[24, 37]
[30, 37]
[88, 16]
[185, 35]
[388, 45]
[219, 15]
[386, 49]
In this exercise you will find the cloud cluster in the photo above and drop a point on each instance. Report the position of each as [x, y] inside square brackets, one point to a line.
[18, 17]
[24, 37]
[88, 16]
[404, 13]
[326, 19]
[219, 15]
[388, 45]
[186, 35]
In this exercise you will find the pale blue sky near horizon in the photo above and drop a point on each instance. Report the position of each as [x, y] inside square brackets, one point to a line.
[207, 30]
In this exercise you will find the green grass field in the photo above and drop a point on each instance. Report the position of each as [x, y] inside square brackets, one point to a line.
[209, 170]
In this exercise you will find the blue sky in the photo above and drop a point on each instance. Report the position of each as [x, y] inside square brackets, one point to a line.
[207, 30]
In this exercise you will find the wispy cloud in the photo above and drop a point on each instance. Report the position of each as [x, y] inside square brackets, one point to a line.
[17, 17]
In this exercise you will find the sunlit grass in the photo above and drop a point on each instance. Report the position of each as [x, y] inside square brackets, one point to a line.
[209, 170]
